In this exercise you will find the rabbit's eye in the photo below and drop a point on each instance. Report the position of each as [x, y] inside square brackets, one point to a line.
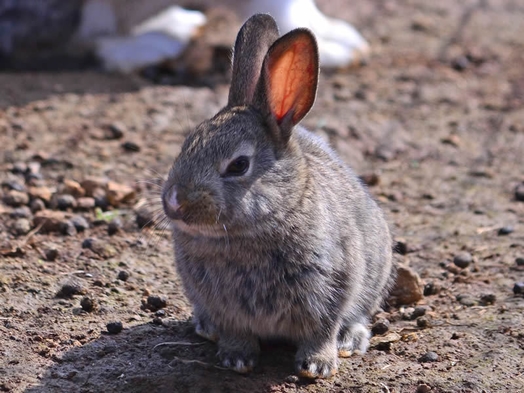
[238, 167]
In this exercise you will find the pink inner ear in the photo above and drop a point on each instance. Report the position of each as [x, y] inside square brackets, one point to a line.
[292, 79]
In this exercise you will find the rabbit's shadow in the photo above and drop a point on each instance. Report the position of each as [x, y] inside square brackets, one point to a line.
[130, 362]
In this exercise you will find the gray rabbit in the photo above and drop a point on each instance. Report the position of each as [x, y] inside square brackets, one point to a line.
[274, 236]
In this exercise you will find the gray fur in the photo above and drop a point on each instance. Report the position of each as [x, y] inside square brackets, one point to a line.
[296, 250]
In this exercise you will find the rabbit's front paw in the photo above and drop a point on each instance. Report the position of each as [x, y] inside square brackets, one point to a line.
[352, 338]
[316, 366]
[205, 328]
[239, 355]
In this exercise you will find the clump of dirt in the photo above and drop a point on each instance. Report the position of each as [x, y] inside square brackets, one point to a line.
[434, 124]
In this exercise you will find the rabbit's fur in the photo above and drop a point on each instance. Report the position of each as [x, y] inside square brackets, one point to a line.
[295, 248]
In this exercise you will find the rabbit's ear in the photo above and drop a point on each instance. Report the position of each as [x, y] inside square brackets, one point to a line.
[289, 79]
[252, 43]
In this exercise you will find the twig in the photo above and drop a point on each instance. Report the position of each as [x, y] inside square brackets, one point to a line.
[192, 361]
[175, 343]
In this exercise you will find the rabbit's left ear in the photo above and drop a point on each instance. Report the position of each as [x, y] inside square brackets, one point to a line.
[289, 79]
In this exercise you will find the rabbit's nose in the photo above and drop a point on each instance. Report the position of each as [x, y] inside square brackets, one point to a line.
[171, 205]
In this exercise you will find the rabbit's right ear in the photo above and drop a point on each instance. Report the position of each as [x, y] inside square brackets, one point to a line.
[252, 43]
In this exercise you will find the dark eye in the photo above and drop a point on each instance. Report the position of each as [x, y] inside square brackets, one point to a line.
[238, 167]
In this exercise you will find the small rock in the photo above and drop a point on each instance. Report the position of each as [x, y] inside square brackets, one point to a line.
[51, 254]
[431, 289]
[50, 220]
[383, 343]
[131, 146]
[80, 223]
[70, 289]
[123, 275]
[21, 212]
[463, 260]
[91, 184]
[401, 247]
[519, 261]
[102, 202]
[460, 63]
[423, 388]
[21, 226]
[88, 304]
[506, 230]
[488, 299]
[16, 198]
[408, 287]
[114, 327]
[85, 203]
[380, 327]
[114, 226]
[71, 187]
[33, 168]
[144, 218]
[292, 379]
[519, 192]
[466, 300]
[99, 247]
[43, 193]
[64, 201]
[37, 205]
[518, 288]
[116, 130]
[12, 184]
[157, 321]
[419, 311]
[160, 313]
[67, 228]
[155, 303]
[423, 322]
[119, 193]
[19, 168]
[428, 357]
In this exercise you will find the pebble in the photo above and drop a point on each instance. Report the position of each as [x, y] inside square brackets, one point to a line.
[144, 218]
[16, 198]
[463, 260]
[428, 357]
[99, 247]
[160, 313]
[380, 327]
[114, 226]
[42, 192]
[157, 321]
[80, 223]
[117, 193]
[21, 212]
[518, 288]
[131, 146]
[487, 299]
[408, 287]
[37, 205]
[506, 230]
[116, 130]
[519, 192]
[67, 228]
[88, 304]
[19, 168]
[423, 388]
[21, 226]
[73, 188]
[12, 184]
[466, 300]
[85, 203]
[460, 63]
[50, 220]
[292, 379]
[431, 289]
[419, 311]
[423, 322]
[123, 275]
[51, 254]
[92, 183]
[64, 201]
[519, 261]
[102, 202]
[114, 327]
[155, 303]
[71, 288]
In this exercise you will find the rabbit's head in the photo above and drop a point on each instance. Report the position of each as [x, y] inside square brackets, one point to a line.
[241, 164]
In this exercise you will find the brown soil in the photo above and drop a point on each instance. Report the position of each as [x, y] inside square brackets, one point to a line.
[437, 115]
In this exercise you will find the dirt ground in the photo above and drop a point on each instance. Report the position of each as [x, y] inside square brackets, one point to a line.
[436, 118]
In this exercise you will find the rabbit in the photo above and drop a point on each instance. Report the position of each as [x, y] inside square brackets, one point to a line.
[274, 236]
